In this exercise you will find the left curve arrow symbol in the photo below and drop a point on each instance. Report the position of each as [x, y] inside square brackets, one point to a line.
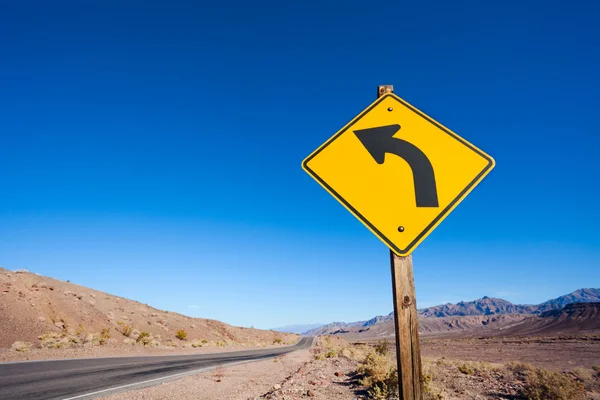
[380, 140]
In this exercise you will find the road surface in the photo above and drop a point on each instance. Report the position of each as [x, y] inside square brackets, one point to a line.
[96, 377]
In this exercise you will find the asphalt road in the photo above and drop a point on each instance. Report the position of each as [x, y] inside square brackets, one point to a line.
[83, 378]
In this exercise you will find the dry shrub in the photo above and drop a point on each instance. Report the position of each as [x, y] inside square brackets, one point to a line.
[20, 346]
[347, 352]
[51, 340]
[380, 379]
[466, 369]
[385, 389]
[93, 338]
[320, 355]
[181, 334]
[144, 338]
[104, 336]
[429, 391]
[375, 367]
[588, 378]
[331, 354]
[545, 384]
[125, 329]
[382, 347]
[277, 340]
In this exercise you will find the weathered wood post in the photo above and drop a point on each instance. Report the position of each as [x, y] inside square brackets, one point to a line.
[408, 350]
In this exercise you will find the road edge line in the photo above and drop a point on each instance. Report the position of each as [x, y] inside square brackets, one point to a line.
[163, 378]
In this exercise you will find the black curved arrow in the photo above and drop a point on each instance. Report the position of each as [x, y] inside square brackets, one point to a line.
[381, 140]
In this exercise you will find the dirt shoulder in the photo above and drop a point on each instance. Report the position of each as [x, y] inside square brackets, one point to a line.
[245, 381]
[299, 375]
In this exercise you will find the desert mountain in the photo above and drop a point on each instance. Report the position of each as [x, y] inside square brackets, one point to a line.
[335, 328]
[573, 318]
[490, 305]
[33, 307]
[578, 296]
[298, 328]
[484, 307]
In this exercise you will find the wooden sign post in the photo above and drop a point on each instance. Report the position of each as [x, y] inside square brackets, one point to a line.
[408, 350]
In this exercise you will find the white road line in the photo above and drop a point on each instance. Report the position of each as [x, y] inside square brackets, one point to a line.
[196, 371]
[164, 378]
[193, 372]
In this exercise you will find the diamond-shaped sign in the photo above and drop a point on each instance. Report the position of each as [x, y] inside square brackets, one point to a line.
[398, 171]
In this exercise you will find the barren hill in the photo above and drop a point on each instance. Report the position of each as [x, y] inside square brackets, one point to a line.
[573, 318]
[46, 312]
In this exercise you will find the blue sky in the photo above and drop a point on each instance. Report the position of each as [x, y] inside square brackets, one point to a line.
[152, 150]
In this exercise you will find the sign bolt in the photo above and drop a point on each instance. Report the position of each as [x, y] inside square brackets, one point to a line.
[400, 229]
[390, 109]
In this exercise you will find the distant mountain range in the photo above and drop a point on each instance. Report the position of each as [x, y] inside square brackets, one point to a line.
[298, 328]
[486, 306]
[490, 305]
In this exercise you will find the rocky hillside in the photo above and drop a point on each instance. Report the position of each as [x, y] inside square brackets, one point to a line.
[470, 325]
[486, 306]
[483, 306]
[578, 296]
[49, 313]
[335, 328]
[574, 318]
[490, 305]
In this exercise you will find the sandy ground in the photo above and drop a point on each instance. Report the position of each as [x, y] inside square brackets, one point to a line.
[562, 353]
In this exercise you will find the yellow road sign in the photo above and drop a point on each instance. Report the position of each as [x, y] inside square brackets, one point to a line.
[398, 171]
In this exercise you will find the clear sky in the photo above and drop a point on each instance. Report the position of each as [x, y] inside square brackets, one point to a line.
[152, 149]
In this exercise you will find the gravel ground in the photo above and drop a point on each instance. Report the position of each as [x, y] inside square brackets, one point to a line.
[563, 353]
